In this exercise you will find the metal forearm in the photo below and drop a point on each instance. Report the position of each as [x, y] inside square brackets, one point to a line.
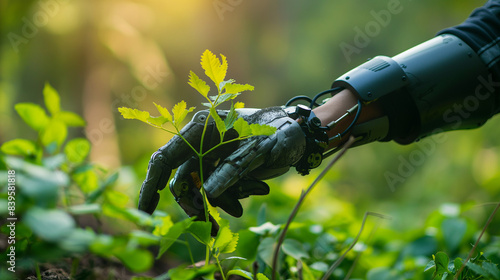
[422, 86]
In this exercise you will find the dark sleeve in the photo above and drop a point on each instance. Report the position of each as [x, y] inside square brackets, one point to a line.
[481, 31]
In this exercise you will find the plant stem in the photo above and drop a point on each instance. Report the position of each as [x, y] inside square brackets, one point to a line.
[189, 251]
[337, 263]
[74, 267]
[189, 144]
[477, 241]
[203, 194]
[205, 207]
[301, 200]
[37, 269]
[222, 143]
[220, 267]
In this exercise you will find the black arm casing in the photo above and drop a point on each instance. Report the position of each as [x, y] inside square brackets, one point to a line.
[430, 88]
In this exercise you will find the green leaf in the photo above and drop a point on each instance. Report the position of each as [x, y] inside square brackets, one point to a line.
[261, 276]
[441, 260]
[52, 100]
[454, 230]
[201, 231]
[384, 273]
[182, 272]
[163, 226]
[225, 97]
[430, 265]
[242, 127]
[164, 112]
[306, 272]
[50, 225]
[87, 180]
[262, 129]
[206, 104]
[213, 67]
[237, 88]
[19, 147]
[294, 249]
[134, 114]
[266, 249]
[143, 238]
[116, 198]
[137, 260]
[157, 121]
[173, 234]
[54, 133]
[198, 84]
[232, 116]
[70, 118]
[223, 84]
[218, 121]
[93, 196]
[78, 240]
[477, 269]
[33, 115]
[180, 112]
[457, 263]
[83, 209]
[76, 150]
[492, 270]
[133, 215]
[240, 272]
[226, 240]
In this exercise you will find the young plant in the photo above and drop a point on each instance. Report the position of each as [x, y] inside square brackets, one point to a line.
[226, 90]
[40, 171]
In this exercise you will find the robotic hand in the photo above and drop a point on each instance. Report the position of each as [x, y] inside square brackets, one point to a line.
[234, 170]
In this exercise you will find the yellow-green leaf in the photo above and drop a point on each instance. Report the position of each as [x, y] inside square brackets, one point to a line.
[242, 127]
[218, 121]
[225, 97]
[52, 100]
[223, 84]
[239, 105]
[157, 121]
[164, 112]
[134, 114]
[262, 129]
[33, 115]
[172, 235]
[87, 181]
[198, 84]
[180, 112]
[226, 240]
[232, 116]
[76, 150]
[70, 118]
[201, 231]
[19, 147]
[116, 198]
[55, 132]
[237, 88]
[164, 226]
[261, 276]
[214, 68]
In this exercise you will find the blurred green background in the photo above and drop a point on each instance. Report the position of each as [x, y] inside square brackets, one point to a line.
[103, 54]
